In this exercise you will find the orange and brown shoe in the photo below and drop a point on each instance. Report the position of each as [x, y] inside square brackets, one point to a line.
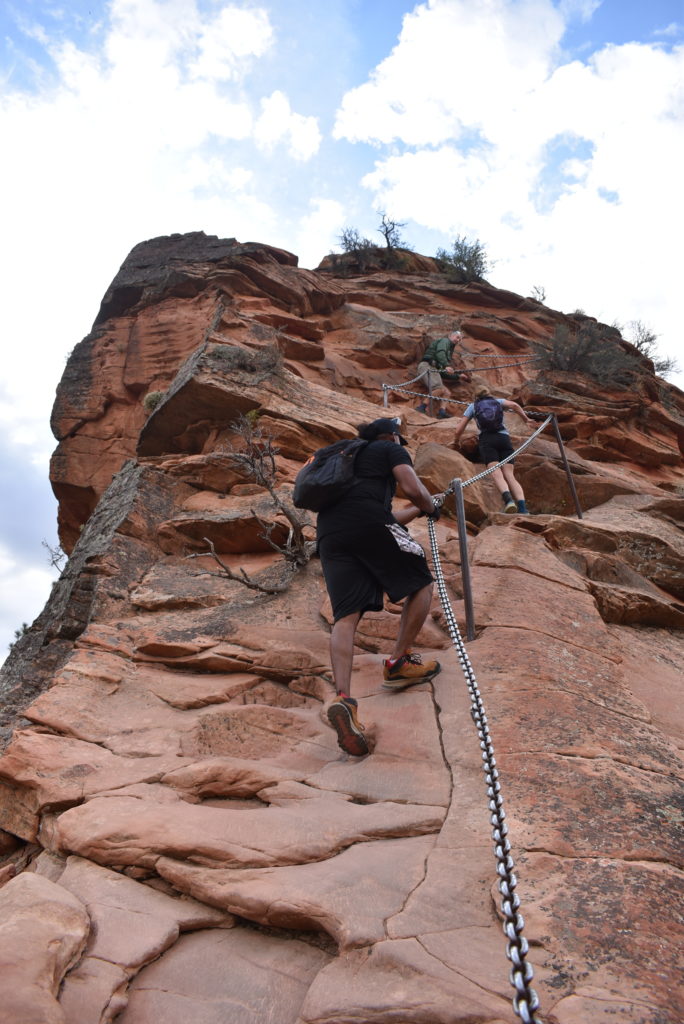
[342, 717]
[408, 670]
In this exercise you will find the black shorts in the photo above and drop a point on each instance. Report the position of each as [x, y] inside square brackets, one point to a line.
[495, 446]
[359, 567]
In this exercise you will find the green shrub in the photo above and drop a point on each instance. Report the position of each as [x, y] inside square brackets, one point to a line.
[644, 341]
[467, 261]
[592, 350]
[18, 633]
[152, 399]
[352, 241]
[366, 255]
[260, 362]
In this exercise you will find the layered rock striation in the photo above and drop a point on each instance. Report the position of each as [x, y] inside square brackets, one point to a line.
[181, 836]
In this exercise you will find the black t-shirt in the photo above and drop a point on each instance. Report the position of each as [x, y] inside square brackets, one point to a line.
[370, 500]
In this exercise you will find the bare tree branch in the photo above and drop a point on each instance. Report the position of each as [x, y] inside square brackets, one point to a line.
[258, 460]
[227, 572]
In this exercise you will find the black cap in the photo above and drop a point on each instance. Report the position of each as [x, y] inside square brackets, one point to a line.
[386, 425]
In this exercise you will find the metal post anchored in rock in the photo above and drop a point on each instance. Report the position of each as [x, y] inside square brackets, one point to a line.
[571, 482]
[457, 488]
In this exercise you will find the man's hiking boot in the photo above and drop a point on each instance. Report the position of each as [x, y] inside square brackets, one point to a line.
[510, 506]
[443, 414]
[407, 670]
[421, 408]
[342, 717]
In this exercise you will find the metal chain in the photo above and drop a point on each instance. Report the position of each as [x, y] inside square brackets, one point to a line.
[501, 366]
[525, 1000]
[523, 446]
[420, 394]
[491, 469]
[492, 355]
[398, 387]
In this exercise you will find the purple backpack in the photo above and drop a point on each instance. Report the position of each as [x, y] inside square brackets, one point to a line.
[489, 414]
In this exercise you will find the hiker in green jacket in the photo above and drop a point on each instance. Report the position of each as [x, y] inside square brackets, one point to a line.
[436, 364]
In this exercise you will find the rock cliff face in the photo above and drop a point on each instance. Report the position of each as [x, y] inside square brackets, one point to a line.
[182, 839]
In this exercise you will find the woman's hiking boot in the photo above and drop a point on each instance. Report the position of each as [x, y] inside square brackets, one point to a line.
[343, 719]
[509, 504]
[407, 670]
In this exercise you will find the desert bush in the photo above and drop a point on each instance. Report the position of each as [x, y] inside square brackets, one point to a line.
[389, 229]
[644, 341]
[352, 241]
[261, 362]
[369, 256]
[591, 350]
[56, 556]
[152, 400]
[467, 261]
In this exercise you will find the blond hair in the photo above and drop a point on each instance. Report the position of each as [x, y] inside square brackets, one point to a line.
[481, 393]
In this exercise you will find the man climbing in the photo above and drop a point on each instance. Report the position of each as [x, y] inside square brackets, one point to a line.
[495, 443]
[365, 552]
[436, 364]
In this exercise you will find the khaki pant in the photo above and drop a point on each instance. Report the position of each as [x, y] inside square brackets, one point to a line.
[433, 379]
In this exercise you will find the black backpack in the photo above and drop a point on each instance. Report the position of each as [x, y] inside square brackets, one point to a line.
[489, 414]
[328, 475]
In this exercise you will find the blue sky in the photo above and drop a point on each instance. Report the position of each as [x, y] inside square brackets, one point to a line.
[551, 131]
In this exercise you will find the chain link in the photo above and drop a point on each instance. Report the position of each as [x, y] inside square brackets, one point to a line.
[523, 446]
[399, 387]
[501, 366]
[525, 1000]
[491, 469]
[421, 394]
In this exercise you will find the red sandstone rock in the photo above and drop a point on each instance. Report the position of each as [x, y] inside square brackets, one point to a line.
[42, 935]
[167, 724]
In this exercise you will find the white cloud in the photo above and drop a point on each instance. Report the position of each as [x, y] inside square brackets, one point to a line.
[23, 591]
[277, 123]
[673, 29]
[151, 132]
[233, 35]
[583, 9]
[445, 76]
[319, 231]
[474, 98]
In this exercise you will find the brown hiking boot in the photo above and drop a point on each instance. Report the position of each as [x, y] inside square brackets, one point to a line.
[407, 670]
[342, 717]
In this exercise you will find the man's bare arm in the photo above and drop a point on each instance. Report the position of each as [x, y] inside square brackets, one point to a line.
[414, 490]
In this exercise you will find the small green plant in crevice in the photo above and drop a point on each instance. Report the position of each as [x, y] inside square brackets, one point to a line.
[467, 261]
[259, 362]
[593, 350]
[18, 633]
[152, 399]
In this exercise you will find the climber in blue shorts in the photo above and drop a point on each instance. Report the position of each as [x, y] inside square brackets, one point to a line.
[495, 443]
